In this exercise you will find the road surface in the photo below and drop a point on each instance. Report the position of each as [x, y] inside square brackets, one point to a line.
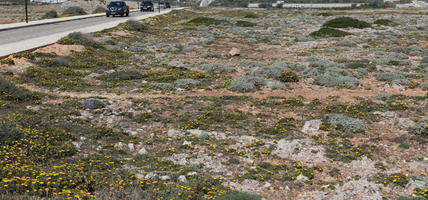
[21, 39]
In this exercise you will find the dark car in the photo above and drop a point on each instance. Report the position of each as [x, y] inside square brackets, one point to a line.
[164, 5]
[117, 8]
[147, 6]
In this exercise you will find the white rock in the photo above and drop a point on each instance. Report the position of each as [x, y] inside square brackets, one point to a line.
[312, 127]
[361, 189]
[82, 138]
[364, 167]
[187, 143]
[182, 179]
[405, 123]
[131, 146]
[142, 151]
[139, 176]
[302, 150]
[173, 133]
[150, 175]
[398, 87]
[118, 145]
[302, 178]
[197, 132]
[133, 133]
[234, 52]
[35, 108]
[165, 178]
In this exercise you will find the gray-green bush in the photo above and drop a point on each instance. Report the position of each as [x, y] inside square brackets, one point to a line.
[347, 123]
[421, 127]
[247, 84]
[74, 10]
[217, 67]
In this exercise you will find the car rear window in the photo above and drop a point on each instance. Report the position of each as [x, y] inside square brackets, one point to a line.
[117, 4]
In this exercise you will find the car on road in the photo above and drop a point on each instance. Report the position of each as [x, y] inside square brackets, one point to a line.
[117, 8]
[164, 5]
[147, 6]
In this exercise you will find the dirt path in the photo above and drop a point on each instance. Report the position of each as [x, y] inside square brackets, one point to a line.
[321, 93]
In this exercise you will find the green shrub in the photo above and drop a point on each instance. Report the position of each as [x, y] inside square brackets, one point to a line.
[235, 195]
[251, 15]
[9, 92]
[74, 10]
[245, 23]
[383, 96]
[125, 75]
[364, 63]
[206, 21]
[385, 22]
[99, 9]
[424, 86]
[79, 39]
[325, 14]
[144, 117]
[288, 76]
[93, 104]
[164, 86]
[7, 61]
[9, 132]
[346, 22]
[329, 32]
[50, 14]
[132, 25]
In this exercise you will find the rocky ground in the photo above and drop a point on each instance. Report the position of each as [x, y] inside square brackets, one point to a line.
[222, 104]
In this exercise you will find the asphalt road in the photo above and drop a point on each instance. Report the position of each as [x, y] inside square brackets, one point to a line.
[21, 39]
[15, 35]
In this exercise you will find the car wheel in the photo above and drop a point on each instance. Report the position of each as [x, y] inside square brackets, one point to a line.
[127, 14]
[107, 15]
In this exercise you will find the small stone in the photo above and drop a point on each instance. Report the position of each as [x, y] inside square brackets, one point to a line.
[182, 179]
[398, 87]
[312, 127]
[165, 178]
[302, 178]
[173, 133]
[35, 108]
[139, 176]
[133, 133]
[187, 143]
[151, 175]
[118, 145]
[142, 151]
[131, 146]
[405, 123]
[234, 52]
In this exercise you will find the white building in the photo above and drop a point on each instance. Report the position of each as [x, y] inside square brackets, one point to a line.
[48, 1]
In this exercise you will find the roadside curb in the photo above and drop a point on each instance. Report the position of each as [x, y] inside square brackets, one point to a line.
[6, 27]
